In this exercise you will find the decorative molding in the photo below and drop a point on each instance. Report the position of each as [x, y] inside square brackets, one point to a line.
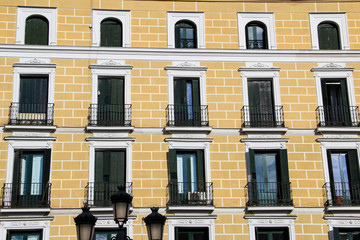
[259, 65]
[332, 65]
[111, 65]
[186, 67]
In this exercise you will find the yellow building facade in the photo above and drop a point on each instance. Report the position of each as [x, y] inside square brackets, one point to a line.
[238, 119]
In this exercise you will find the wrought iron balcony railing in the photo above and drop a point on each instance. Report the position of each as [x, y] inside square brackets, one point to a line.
[186, 43]
[190, 193]
[342, 193]
[110, 115]
[263, 116]
[26, 195]
[338, 116]
[98, 194]
[256, 44]
[187, 115]
[270, 194]
[31, 113]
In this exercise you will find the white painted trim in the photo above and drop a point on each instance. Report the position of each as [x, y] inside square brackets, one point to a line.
[24, 12]
[195, 146]
[266, 18]
[25, 224]
[338, 18]
[334, 71]
[196, 17]
[123, 16]
[191, 221]
[103, 145]
[349, 222]
[271, 222]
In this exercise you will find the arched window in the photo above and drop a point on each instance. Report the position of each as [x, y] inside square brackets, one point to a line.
[185, 34]
[329, 37]
[111, 33]
[256, 35]
[37, 30]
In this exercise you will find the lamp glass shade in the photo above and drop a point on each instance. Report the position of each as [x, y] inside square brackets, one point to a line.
[155, 231]
[85, 231]
[121, 212]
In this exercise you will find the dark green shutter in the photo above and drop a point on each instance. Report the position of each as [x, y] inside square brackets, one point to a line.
[37, 31]
[117, 167]
[328, 34]
[46, 168]
[180, 92]
[111, 91]
[172, 165]
[111, 33]
[328, 155]
[177, 36]
[196, 92]
[99, 166]
[200, 170]
[33, 89]
[284, 167]
[336, 234]
[252, 165]
[354, 167]
[16, 171]
[324, 92]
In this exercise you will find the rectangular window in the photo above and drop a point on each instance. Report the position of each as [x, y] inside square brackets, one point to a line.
[110, 172]
[263, 233]
[187, 178]
[191, 233]
[111, 108]
[31, 186]
[346, 233]
[344, 177]
[24, 235]
[269, 184]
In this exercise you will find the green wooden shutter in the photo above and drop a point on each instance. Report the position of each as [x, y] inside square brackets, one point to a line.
[117, 167]
[328, 34]
[284, 167]
[324, 92]
[33, 89]
[344, 94]
[16, 171]
[336, 234]
[201, 170]
[37, 31]
[252, 165]
[328, 155]
[196, 92]
[345, 114]
[179, 91]
[99, 166]
[354, 167]
[111, 33]
[177, 36]
[172, 165]
[253, 92]
[117, 91]
[46, 168]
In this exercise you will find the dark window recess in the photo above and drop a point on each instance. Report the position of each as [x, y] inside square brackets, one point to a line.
[31, 186]
[185, 34]
[24, 235]
[329, 36]
[110, 172]
[346, 233]
[107, 234]
[191, 233]
[344, 186]
[111, 33]
[271, 233]
[187, 178]
[37, 30]
[256, 35]
[269, 184]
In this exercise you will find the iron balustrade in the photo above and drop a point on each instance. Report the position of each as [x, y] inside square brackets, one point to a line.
[190, 193]
[26, 195]
[263, 116]
[338, 116]
[256, 44]
[187, 43]
[31, 113]
[110, 115]
[187, 115]
[98, 194]
[342, 193]
[270, 194]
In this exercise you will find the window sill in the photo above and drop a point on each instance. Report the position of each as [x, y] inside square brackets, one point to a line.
[285, 209]
[110, 129]
[265, 130]
[173, 129]
[338, 130]
[187, 208]
[25, 210]
[38, 128]
[343, 209]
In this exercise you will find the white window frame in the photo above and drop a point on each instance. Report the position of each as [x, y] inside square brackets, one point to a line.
[25, 224]
[259, 71]
[334, 71]
[24, 12]
[123, 16]
[107, 144]
[338, 18]
[25, 145]
[193, 222]
[342, 223]
[266, 18]
[271, 223]
[196, 17]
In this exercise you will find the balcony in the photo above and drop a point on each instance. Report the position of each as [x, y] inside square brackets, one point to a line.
[31, 114]
[187, 115]
[269, 194]
[342, 194]
[263, 116]
[338, 116]
[98, 194]
[26, 195]
[190, 194]
[110, 115]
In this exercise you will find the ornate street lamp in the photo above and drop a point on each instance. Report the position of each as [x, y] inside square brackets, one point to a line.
[85, 223]
[155, 224]
[121, 202]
